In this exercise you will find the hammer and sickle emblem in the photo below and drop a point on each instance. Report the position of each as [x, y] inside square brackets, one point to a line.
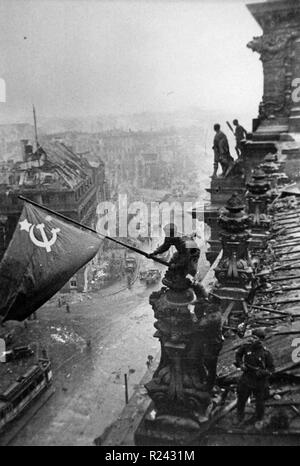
[46, 243]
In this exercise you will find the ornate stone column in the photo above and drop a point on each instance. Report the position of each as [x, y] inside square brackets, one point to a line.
[280, 54]
[274, 175]
[220, 188]
[177, 390]
[234, 271]
[258, 199]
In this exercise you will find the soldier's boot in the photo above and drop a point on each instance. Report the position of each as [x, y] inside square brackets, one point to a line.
[243, 392]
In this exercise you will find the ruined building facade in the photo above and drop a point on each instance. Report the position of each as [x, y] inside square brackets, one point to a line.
[54, 176]
[276, 128]
[279, 51]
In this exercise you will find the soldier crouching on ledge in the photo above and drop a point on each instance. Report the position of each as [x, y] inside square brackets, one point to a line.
[185, 260]
[257, 365]
[207, 340]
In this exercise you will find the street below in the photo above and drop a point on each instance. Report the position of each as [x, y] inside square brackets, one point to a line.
[110, 334]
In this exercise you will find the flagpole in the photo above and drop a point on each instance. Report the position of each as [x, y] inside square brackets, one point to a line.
[35, 128]
[68, 219]
[230, 127]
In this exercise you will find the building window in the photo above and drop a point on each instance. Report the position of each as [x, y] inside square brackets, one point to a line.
[73, 283]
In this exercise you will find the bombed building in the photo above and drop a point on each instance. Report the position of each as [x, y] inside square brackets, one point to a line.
[52, 175]
[223, 366]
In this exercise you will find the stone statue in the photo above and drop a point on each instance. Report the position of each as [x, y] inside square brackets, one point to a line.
[271, 44]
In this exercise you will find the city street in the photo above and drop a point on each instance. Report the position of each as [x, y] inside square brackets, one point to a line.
[89, 384]
[92, 339]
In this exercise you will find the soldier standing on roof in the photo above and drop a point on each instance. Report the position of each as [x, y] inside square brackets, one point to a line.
[221, 152]
[187, 254]
[240, 134]
[257, 365]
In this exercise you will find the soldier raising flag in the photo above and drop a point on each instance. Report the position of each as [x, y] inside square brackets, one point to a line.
[44, 253]
[240, 133]
[46, 250]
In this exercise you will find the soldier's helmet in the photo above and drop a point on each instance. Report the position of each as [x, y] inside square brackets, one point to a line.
[259, 333]
[170, 229]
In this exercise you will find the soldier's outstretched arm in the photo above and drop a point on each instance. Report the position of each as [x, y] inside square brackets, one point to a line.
[163, 248]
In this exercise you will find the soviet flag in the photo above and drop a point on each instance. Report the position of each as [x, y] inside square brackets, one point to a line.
[43, 254]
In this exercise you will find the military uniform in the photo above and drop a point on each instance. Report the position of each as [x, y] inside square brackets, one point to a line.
[221, 153]
[187, 254]
[240, 134]
[257, 363]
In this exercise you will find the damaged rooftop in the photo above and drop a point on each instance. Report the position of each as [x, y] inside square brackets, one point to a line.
[52, 166]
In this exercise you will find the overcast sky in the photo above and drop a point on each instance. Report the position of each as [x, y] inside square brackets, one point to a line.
[87, 57]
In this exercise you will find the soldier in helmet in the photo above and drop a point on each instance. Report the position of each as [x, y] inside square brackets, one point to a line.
[257, 365]
[186, 257]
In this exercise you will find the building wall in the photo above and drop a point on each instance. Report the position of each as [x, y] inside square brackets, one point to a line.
[79, 204]
[279, 50]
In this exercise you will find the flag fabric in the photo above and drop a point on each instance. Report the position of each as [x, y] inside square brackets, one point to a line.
[43, 254]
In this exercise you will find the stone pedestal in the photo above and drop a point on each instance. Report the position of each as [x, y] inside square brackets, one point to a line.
[220, 188]
[166, 430]
[178, 387]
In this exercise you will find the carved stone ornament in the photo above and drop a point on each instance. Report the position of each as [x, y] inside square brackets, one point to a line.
[177, 387]
[258, 198]
[234, 268]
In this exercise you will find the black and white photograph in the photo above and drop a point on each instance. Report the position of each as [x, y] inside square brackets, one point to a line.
[149, 225]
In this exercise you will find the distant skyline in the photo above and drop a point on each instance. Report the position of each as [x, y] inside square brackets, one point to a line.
[74, 58]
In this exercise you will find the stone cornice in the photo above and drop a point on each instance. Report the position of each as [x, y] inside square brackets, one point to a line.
[275, 13]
